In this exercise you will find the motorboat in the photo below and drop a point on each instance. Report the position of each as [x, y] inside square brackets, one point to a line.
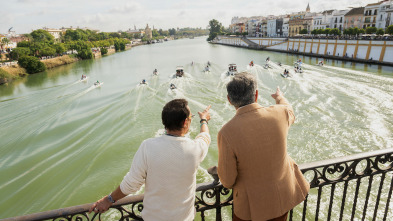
[207, 68]
[232, 69]
[179, 71]
[143, 82]
[267, 65]
[98, 84]
[84, 78]
[320, 63]
[285, 74]
[298, 70]
[251, 64]
[172, 86]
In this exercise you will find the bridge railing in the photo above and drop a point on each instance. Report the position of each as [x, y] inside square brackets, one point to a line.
[347, 188]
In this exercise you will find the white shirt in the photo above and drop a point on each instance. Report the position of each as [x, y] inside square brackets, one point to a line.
[168, 166]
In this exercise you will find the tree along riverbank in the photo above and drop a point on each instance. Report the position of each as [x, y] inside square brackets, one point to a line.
[14, 71]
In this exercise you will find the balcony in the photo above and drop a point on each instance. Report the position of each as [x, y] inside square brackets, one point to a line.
[356, 187]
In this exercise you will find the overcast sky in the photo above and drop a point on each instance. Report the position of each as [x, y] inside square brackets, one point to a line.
[113, 15]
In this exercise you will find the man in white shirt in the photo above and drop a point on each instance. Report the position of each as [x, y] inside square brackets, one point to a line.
[167, 165]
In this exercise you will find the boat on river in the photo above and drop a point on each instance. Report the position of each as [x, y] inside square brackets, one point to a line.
[84, 78]
[179, 71]
[232, 70]
[98, 84]
[143, 82]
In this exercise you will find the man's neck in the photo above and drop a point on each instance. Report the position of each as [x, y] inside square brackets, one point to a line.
[175, 133]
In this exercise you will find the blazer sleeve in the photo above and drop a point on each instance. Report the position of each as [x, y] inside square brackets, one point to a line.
[227, 166]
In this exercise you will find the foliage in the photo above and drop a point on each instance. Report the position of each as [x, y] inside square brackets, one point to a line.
[16, 53]
[389, 30]
[85, 53]
[5, 74]
[334, 31]
[172, 31]
[371, 30]
[31, 64]
[361, 31]
[23, 44]
[380, 31]
[215, 28]
[42, 36]
[104, 51]
[47, 51]
[4, 42]
[60, 48]
[326, 31]
[303, 31]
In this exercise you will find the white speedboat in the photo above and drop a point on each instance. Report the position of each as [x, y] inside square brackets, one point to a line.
[84, 78]
[179, 71]
[98, 84]
[232, 70]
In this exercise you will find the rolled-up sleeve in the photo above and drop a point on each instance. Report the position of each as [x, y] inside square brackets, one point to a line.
[227, 169]
[203, 141]
[136, 176]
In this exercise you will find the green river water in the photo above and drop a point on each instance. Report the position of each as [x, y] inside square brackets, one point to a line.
[65, 142]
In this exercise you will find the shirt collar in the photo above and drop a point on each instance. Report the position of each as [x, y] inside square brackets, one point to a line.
[248, 108]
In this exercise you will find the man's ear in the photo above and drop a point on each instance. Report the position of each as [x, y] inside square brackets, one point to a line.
[256, 95]
[229, 100]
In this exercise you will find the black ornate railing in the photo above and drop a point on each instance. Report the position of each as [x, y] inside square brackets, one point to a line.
[357, 187]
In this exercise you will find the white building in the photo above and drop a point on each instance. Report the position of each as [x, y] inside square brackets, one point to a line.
[318, 22]
[271, 28]
[338, 19]
[56, 33]
[384, 15]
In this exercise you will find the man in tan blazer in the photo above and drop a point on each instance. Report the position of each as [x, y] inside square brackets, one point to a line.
[253, 158]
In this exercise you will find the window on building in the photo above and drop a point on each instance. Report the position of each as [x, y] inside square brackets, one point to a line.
[341, 20]
[375, 12]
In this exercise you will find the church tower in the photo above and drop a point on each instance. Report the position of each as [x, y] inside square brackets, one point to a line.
[308, 7]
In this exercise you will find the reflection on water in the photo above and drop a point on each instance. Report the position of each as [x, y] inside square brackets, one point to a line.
[66, 142]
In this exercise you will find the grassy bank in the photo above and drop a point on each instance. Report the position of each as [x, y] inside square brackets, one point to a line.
[55, 62]
[10, 73]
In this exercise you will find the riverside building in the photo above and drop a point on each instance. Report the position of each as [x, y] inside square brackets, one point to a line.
[354, 18]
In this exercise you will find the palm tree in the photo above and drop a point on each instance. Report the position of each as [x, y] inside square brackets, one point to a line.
[4, 42]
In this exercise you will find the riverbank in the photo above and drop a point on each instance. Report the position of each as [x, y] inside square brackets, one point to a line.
[10, 73]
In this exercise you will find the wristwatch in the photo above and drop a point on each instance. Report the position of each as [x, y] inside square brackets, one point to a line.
[203, 120]
[111, 199]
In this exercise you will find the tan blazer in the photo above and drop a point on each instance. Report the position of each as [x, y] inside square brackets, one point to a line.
[253, 161]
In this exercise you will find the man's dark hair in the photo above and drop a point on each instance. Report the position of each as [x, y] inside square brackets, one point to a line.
[241, 89]
[174, 113]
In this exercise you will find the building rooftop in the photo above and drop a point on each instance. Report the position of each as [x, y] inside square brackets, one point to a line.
[355, 11]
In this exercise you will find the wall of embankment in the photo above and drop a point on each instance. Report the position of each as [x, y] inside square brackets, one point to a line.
[366, 51]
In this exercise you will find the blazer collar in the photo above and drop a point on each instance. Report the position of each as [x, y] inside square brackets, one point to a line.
[248, 108]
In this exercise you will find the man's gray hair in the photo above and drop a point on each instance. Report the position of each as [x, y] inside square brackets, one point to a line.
[241, 89]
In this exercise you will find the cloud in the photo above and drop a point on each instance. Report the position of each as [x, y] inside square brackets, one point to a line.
[127, 8]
